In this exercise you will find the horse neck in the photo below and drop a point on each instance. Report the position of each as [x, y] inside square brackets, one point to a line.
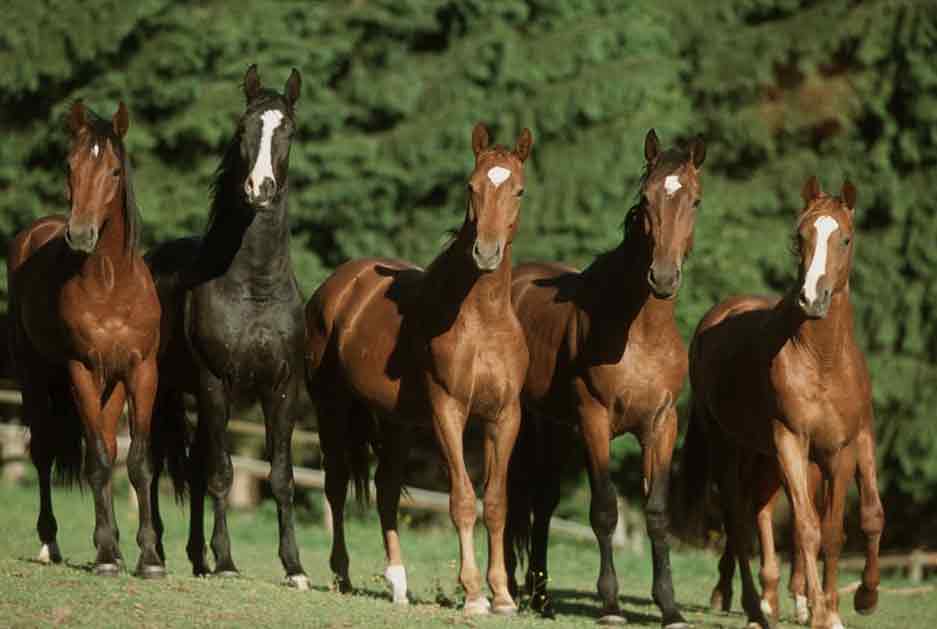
[247, 246]
[621, 300]
[454, 284]
[822, 339]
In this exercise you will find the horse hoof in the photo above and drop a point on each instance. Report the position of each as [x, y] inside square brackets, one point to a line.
[837, 622]
[226, 574]
[150, 571]
[49, 553]
[478, 607]
[396, 579]
[504, 609]
[611, 619]
[865, 600]
[678, 625]
[802, 610]
[106, 569]
[298, 581]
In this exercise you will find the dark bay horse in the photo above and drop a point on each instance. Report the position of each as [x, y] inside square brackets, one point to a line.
[85, 332]
[784, 378]
[606, 357]
[388, 341]
[233, 319]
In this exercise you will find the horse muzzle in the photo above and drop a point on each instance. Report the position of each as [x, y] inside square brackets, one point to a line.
[487, 255]
[664, 280]
[818, 307]
[82, 239]
[260, 196]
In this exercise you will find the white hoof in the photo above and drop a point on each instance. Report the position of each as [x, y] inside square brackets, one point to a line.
[836, 622]
[481, 606]
[49, 553]
[298, 581]
[396, 577]
[679, 625]
[611, 619]
[803, 610]
[766, 608]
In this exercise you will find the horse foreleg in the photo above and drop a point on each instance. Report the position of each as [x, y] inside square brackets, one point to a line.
[658, 454]
[500, 436]
[793, 463]
[603, 508]
[141, 389]
[872, 520]
[842, 466]
[395, 444]
[213, 415]
[448, 424]
[279, 407]
[100, 426]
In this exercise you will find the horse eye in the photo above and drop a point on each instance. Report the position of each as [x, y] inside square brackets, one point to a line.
[697, 203]
[846, 241]
[520, 192]
[115, 172]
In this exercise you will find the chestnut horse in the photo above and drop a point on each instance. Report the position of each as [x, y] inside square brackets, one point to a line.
[785, 379]
[84, 333]
[233, 322]
[607, 358]
[390, 341]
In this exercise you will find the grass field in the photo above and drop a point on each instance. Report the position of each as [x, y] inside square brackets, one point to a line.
[68, 595]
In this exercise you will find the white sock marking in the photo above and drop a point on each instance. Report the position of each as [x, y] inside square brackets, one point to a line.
[836, 622]
[803, 611]
[45, 554]
[263, 167]
[396, 577]
[95, 150]
[672, 184]
[825, 226]
[766, 607]
[498, 175]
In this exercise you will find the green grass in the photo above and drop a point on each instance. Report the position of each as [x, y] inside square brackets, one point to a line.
[68, 595]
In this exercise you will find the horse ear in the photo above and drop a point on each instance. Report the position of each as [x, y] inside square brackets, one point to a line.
[811, 190]
[651, 146]
[77, 117]
[293, 85]
[121, 120]
[698, 151]
[479, 138]
[524, 141]
[848, 195]
[252, 84]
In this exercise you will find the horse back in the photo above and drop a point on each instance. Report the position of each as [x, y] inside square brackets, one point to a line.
[543, 295]
[353, 328]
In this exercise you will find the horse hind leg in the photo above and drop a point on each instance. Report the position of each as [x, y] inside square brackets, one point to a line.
[36, 413]
[394, 446]
[279, 411]
[768, 486]
[332, 414]
[553, 454]
[872, 520]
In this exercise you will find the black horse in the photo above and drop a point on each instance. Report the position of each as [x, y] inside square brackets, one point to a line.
[233, 325]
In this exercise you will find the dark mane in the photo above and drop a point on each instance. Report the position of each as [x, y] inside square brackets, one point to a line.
[102, 130]
[224, 192]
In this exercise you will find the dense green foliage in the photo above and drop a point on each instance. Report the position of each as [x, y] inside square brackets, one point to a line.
[780, 89]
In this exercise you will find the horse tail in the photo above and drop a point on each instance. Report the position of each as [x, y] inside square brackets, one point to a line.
[517, 529]
[691, 498]
[359, 436]
[63, 432]
[169, 439]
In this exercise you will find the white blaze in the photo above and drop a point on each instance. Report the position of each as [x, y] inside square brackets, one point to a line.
[672, 184]
[498, 175]
[263, 167]
[825, 226]
[95, 150]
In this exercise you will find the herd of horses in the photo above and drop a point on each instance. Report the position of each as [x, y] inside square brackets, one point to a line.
[533, 353]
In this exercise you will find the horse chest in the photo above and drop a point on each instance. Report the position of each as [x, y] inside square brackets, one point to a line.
[247, 345]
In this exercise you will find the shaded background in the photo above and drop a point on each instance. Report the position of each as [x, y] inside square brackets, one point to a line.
[780, 90]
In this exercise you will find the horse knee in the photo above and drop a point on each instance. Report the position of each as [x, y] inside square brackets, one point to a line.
[873, 519]
[281, 485]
